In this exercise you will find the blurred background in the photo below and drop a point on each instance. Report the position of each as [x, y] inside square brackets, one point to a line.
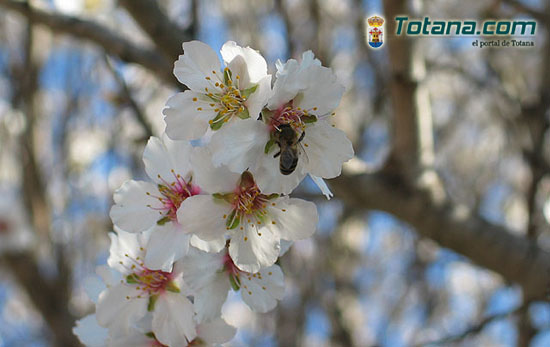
[439, 229]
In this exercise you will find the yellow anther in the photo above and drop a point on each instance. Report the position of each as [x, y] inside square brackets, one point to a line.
[195, 99]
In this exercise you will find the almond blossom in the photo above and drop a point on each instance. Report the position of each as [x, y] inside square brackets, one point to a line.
[141, 290]
[141, 205]
[304, 96]
[254, 222]
[216, 96]
[212, 275]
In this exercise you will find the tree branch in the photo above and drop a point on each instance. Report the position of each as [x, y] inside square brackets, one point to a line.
[111, 42]
[493, 247]
[166, 34]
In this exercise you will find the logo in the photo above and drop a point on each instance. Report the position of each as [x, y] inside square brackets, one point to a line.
[375, 31]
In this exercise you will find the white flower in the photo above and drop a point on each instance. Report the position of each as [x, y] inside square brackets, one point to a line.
[211, 276]
[143, 290]
[294, 137]
[140, 205]
[216, 96]
[255, 222]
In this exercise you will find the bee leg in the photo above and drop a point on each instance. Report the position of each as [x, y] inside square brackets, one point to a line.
[277, 154]
[302, 136]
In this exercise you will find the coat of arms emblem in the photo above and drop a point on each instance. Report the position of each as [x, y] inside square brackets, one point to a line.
[375, 32]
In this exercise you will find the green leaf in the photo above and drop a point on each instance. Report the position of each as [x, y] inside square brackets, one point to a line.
[309, 119]
[268, 145]
[226, 76]
[244, 114]
[233, 220]
[172, 287]
[152, 301]
[235, 282]
[246, 93]
[163, 220]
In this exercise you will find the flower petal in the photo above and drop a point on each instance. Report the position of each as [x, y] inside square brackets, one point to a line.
[322, 185]
[257, 100]
[295, 219]
[327, 149]
[173, 322]
[131, 212]
[322, 93]
[203, 216]
[125, 249]
[260, 291]
[238, 145]
[210, 286]
[255, 63]
[269, 178]
[164, 158]
[216, 331]
[212, 246]
[197, 62]
[89, 332]
[187, 119]
[168, 243]
[119, 308]
[253, 248]
[209, 178]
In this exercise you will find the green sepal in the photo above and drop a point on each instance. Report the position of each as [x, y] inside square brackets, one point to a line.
[268, 145]
[246, 93]
[309, 119]
[227, 197]
[163, 220]
[244, 114]
[172, 287]
[150, 335]
[235, 282]
[226, 76]
[232, 220]
[266, 115]
[152, 302]
[131, 279]
[217, 122]
[272, 196]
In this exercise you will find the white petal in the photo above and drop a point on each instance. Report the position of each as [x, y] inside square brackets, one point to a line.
[203, 216]
[118, 313]
[168, 243]
[213, 246]
[295, 219]
[209, 178]
[287, 84]
[130, 212]
[322, 91]
[327, 149]
[270, 179]
[173, 323]
[216, 331]
[135, 339]
[239, 144]
[197, 62]
[261, 291]
[109, 275]
[125, 249]
[322, 185]
[89, 332]
[254, 248]
[162, 156]
[201, 272]
[255, 63]
[257, 100]
[184, 120]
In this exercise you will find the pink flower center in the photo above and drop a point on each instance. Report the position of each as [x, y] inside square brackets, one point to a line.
[151, 281]
[287, 114]
[173, 194]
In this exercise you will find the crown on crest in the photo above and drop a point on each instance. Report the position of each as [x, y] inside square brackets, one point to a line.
[375, 21]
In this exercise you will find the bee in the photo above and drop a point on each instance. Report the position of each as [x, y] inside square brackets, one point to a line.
[288, 141]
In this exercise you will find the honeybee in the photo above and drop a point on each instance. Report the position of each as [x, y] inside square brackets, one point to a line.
[288, 141]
